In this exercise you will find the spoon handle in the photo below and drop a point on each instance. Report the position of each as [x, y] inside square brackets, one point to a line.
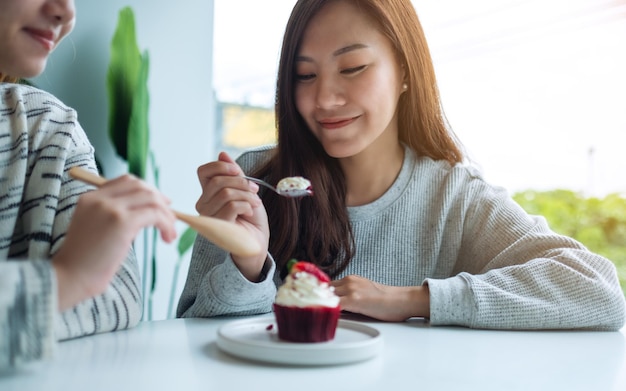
[262, 183]
[224, 234]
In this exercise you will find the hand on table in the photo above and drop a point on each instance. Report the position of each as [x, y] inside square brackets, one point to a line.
[383, 302]
[104, 224]
[228, 196]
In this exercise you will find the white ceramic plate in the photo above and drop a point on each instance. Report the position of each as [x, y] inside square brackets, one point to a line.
[254, 339]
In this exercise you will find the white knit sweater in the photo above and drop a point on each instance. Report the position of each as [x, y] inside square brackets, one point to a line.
[40, 139]
[488, 264]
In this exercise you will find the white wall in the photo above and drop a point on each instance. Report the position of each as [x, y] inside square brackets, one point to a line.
[179, 39]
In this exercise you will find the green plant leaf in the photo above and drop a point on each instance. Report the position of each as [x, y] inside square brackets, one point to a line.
[186, 241]
[122, 78]
[138, 130]
[155, 169]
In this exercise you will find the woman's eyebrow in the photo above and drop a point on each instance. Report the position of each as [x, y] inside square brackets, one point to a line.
[349, 48]
[337, 52]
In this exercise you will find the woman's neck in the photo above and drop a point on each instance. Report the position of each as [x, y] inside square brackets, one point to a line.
[371, 173]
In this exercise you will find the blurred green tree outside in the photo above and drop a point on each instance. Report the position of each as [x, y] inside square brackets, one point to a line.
[598, 223]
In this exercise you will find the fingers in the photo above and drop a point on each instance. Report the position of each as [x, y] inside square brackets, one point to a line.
[146, 216]
[355, 293]
[342, 289]
[225, 193]
[228, 196]
[133, 204]
[224, 157]
[133, 191]
[223, 166]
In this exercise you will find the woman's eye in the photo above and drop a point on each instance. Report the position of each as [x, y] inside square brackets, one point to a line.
[305, 77]
[349, 71]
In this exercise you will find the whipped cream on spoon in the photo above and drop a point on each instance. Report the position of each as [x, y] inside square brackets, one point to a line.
[294, 186]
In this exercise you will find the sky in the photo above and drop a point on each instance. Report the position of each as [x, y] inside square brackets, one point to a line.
[535, 89]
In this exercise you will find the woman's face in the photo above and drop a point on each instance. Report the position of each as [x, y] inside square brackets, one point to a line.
[29, 31]
[348, 81]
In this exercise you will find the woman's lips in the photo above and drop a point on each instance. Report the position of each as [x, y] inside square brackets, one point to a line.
[336, 123]
[44, 37]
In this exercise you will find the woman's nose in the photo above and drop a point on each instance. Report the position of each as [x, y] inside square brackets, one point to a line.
[329, 93]
[62, 11]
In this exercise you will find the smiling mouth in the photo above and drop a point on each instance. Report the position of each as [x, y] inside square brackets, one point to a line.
[336, 124]
[44, 37]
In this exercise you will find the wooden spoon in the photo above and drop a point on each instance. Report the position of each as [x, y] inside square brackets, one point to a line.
[224, 234]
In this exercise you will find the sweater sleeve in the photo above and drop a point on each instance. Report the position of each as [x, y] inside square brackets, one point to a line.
[215, 286]
[27, 311]
[514, 272]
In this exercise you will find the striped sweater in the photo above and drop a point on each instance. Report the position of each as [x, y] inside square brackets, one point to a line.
[40, 139]
[487, 263]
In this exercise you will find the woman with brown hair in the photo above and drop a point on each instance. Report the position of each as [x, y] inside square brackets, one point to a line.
[404, 227]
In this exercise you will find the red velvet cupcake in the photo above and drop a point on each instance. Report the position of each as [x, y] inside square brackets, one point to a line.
[306, 306]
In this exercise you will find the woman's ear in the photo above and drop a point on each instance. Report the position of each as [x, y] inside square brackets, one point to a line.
[404, 78]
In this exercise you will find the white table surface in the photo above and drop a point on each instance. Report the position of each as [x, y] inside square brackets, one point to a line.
[183, 355]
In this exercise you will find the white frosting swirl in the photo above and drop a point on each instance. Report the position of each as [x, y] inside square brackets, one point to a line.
[305, 290]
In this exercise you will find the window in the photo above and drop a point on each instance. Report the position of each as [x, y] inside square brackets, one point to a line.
[535, 89]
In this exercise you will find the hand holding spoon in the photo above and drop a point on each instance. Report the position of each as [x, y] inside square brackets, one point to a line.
[224, 234]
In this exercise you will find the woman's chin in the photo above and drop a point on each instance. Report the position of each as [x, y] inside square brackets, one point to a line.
[31, 69]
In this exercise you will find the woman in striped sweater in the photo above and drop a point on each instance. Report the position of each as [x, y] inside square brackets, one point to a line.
[67, 268]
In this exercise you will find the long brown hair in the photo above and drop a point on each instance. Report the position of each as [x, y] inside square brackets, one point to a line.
[7, 79]
[317, 229]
